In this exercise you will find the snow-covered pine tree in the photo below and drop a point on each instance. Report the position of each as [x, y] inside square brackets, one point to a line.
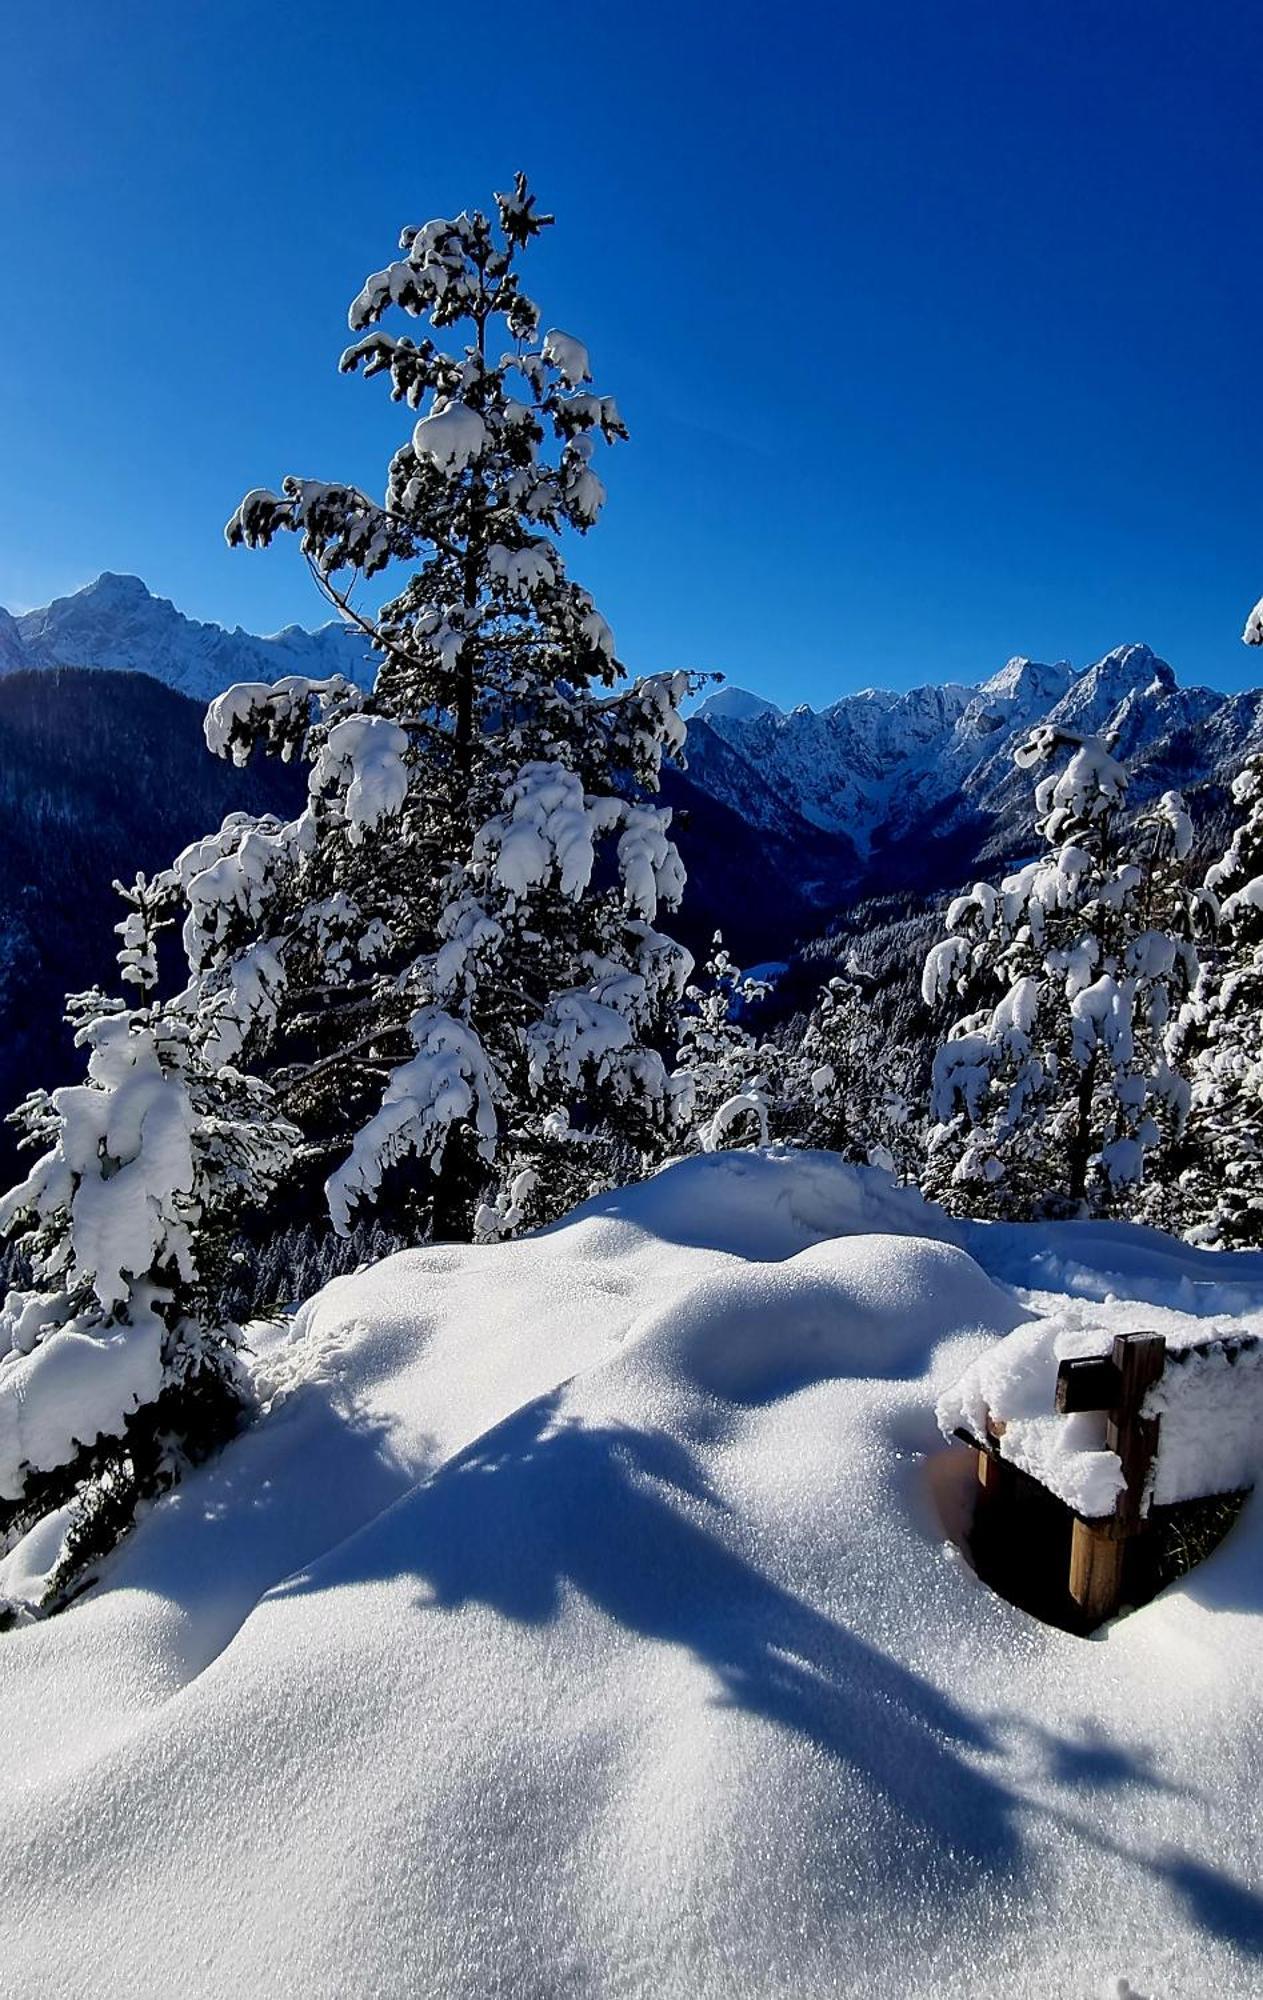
[115, 1365]
[1053, 1094]
[855, 1091]
[1223, 1026]
[732, 1078]
[456, 940]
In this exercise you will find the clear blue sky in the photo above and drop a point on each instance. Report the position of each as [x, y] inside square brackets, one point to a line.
[938, 327]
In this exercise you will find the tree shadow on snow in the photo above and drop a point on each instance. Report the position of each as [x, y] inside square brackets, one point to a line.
[544, 1506]
[539, 1508]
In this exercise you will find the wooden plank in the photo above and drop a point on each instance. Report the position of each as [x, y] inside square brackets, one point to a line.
[1091, 1382]
[990, 1472]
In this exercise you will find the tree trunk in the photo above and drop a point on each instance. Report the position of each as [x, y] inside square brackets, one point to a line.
[457, 1186]
[1080, 1149]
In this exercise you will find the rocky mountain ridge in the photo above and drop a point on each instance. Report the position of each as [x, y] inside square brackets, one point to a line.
[881, 768]
[117, 623]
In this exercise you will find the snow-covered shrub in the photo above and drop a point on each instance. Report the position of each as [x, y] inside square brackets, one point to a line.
[732, 1077]
[454, 944]
[114, 1368]
[854, 1083]
[1058, 1082]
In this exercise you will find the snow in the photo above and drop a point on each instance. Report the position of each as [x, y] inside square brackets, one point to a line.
[550, 828]
[448, 1079]
[547, 828]
[364, 758]
[118, 624]
[451, 436]
[735, 705]
[568, 356]
[70, 1389]
[578, 1620]
[123, 1156]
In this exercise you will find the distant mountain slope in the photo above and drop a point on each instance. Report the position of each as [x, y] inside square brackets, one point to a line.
[118, 623]
[100, 775]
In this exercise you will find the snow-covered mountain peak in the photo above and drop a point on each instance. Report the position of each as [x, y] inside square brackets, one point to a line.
[735, 704]
[1121, 676]
[111, 587]
[117, 622]
[1024, 681]
[879, 767]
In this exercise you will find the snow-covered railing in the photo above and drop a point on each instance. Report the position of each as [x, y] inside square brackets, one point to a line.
[1140, 1427]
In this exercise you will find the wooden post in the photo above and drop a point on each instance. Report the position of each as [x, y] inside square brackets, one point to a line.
[1118, 1384]
[1140, 1359]
[1096, 1568]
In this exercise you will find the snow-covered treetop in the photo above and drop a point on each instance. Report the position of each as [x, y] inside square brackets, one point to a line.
[475, 471]
[1089, 786]
[1067, 1074]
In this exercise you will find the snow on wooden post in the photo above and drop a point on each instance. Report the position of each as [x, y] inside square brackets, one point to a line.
[1118, 1384]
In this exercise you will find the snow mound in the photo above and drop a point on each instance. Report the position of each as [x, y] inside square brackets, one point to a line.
[576, 1621]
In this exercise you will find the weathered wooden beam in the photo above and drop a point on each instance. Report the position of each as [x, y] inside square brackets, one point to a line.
[1088, 1383]
[1093, 1381]
[1098, 1549]
[990, 1471]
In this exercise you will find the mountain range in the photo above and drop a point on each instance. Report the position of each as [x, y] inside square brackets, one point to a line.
[785, 818]
[117, 623]
[889, 772]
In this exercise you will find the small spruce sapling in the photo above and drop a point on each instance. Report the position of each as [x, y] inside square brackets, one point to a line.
[732, 1078]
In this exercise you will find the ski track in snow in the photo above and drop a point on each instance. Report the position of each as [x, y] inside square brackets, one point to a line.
[577, 1621]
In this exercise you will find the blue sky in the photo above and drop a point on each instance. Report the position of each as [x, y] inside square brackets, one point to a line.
[938, 328]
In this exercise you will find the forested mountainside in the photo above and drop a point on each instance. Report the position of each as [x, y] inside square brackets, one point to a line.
[101, 774]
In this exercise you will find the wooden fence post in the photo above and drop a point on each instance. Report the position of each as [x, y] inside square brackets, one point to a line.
[1118, 1385]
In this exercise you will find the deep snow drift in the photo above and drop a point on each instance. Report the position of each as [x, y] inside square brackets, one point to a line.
[579, 1621]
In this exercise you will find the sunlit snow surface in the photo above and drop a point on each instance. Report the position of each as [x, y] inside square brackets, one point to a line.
[578, 1622]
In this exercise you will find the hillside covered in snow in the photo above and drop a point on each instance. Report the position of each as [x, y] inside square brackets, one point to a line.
[581, 1618]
